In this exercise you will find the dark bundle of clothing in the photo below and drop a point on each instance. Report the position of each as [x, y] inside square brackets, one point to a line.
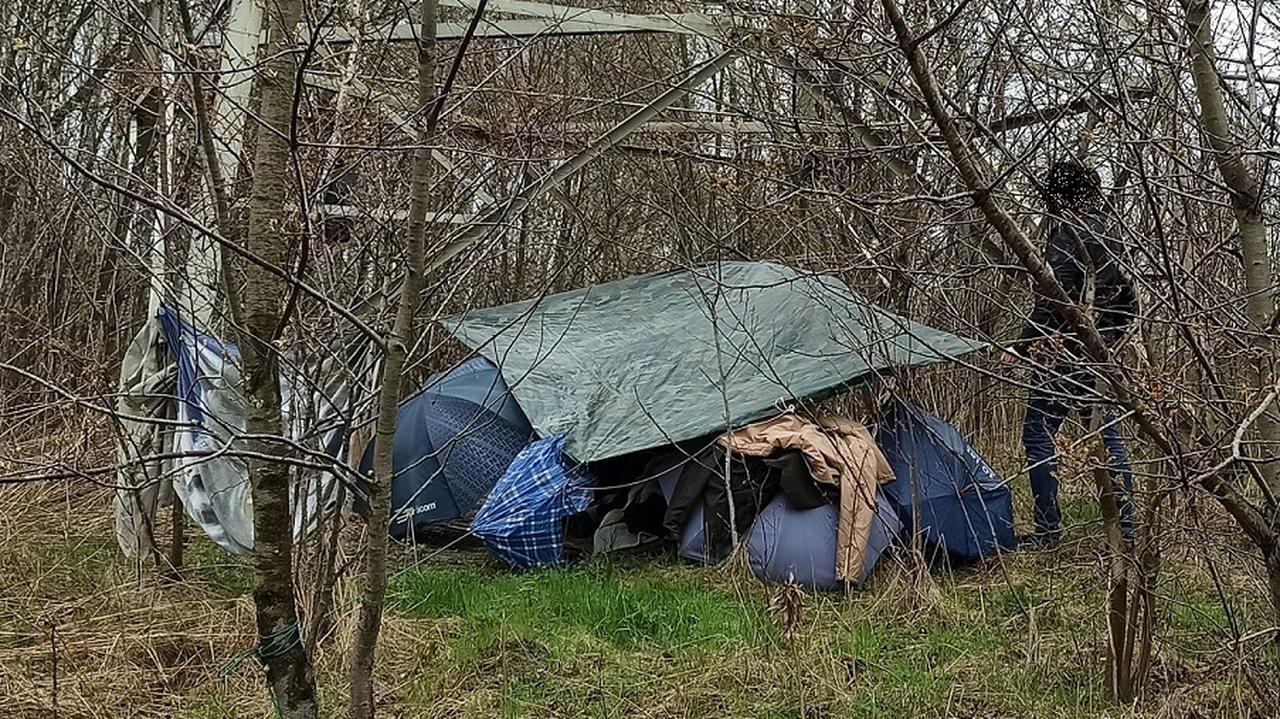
[658, 493]
[751, 483]
[628, 509]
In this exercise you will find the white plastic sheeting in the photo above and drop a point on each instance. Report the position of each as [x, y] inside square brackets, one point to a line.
[174, 370]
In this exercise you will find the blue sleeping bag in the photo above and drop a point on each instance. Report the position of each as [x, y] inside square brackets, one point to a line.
[789, 543]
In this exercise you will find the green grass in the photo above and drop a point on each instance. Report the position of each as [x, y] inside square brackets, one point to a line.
[59, 568]
[598, 640]
[567, 609]
[653, 637]
[227, 575]
[209, 707]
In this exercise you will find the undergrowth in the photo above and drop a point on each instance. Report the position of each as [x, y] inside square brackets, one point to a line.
[1021, 636]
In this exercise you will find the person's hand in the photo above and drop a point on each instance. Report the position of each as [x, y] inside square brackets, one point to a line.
[1008, 359]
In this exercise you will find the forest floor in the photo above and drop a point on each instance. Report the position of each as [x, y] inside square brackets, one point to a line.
[83, 635]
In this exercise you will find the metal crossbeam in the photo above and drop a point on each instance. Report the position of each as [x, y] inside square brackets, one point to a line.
[677, 23]
[384, 215]
[539, 20]
[726, 126]
[494, 215]
[517, 28]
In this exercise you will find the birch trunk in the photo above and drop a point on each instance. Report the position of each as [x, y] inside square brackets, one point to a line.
[1260, 305]
[288, 668]
[1246, 205]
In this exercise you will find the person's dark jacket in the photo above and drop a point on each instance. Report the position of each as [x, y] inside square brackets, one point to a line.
[751, 483]
[1081, 247]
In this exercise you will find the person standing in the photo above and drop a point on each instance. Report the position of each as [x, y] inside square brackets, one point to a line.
[1085, 257]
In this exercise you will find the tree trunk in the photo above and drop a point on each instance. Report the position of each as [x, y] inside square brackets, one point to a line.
[1122, 680]
[177, 540]
[1273, 587]
[375, 583]
[289, 676]
[1246, 204]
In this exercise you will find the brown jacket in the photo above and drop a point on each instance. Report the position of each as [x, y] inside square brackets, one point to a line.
[839, 452]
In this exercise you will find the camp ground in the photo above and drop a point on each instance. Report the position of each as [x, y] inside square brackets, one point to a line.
[643, 359]
[681, 408]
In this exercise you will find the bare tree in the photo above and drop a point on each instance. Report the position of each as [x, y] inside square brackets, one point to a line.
[1259, 283]
[394, 379]
[281, 649]
[1250, 517]
[1247, 206]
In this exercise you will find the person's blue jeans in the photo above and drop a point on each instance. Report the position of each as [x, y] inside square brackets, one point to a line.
[1045, 414]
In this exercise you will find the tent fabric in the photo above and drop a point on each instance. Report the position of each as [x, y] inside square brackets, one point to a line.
[477, 381]
[966, 509]
[787, 540]
[176, 370]
[657, 359]
[787, 543]
[453, 442]
[522, 521]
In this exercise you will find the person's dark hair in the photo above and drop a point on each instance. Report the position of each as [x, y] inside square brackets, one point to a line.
[1069, 182]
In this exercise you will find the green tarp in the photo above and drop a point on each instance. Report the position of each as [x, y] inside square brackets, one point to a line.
[660, 358]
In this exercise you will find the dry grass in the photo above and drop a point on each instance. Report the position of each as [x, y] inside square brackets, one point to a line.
[121, 645]
[117, 642]
[1021, 637]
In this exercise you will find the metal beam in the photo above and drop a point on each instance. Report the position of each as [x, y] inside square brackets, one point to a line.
[677, 23]
[516, 28]
[494, 215]
[540, 20]
[724, 126]
[384, 215]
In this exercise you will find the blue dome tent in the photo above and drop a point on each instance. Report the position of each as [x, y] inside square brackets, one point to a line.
[453, 441]
[966, 509]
